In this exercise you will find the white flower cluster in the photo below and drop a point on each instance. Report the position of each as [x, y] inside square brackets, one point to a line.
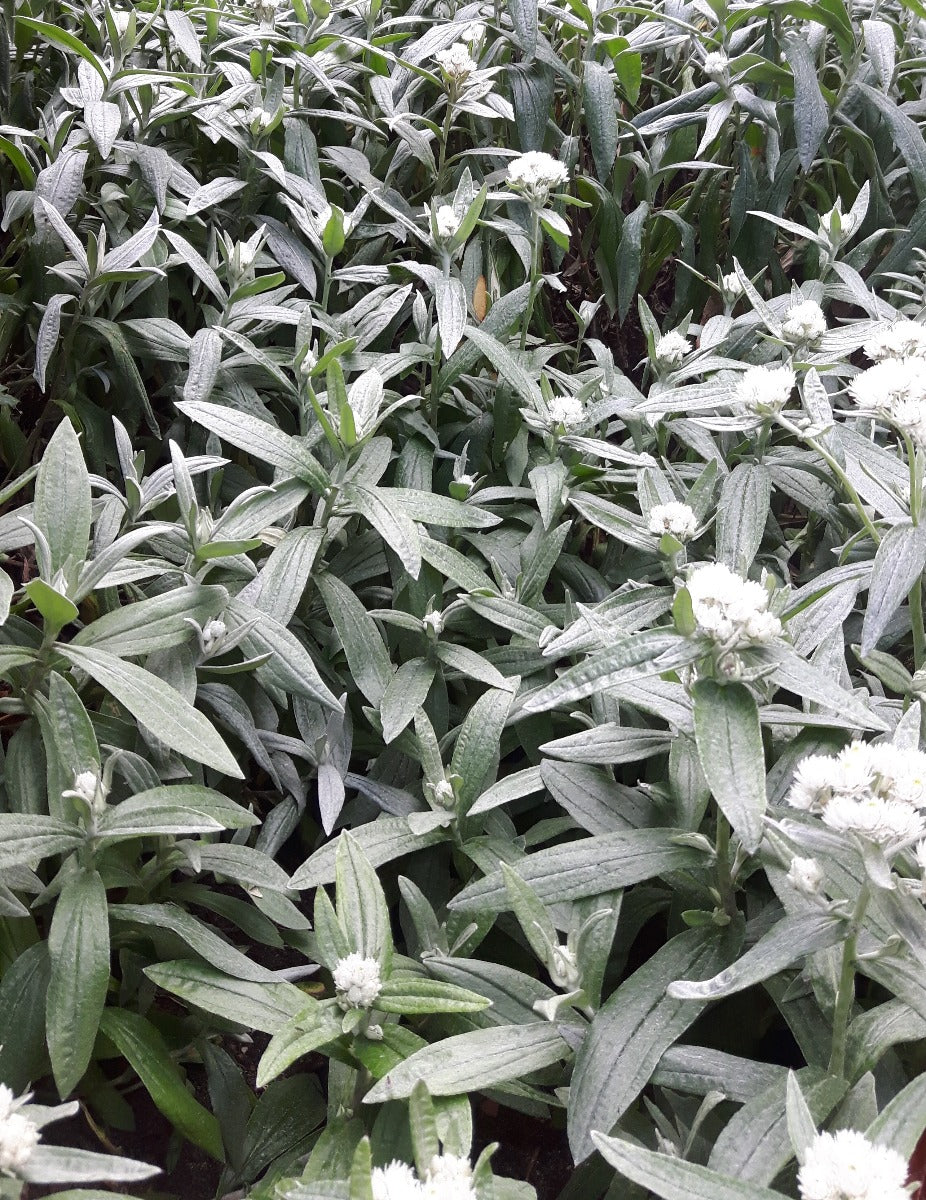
[729, 609]
[357, 981]
[671, 349]
[567, 411]
[86, 784]
[448, 1177]
[716, 64]
[535, 175]
[896, 389]
[846, 1166]
[456, 62]
[446, 221]
[804, 322]
[877, 791]
[764, 390]
[897, 339]
[18, 1135]
[675, 518]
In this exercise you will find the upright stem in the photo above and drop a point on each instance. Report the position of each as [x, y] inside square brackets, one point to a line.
[915, 597]
[535, 274]
[444, 139]
[724, 875]
[845, 992]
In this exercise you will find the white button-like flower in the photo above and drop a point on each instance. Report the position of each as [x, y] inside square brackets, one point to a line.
[731, 287]
[764, 390]
[18, 1135]
[396, 1181]
[805, 875]
[897, 339]
[357, 981]
[804, 322]
[675, 518]
[86, 784]
[456, 62]
[846, 1166]
[567, 411]
[716, 64]
[448, 1177]
[446, 221]
[433, 622]
[729, 609]
[443, 794]
[535, 175]
[214, 633]
[671, 349]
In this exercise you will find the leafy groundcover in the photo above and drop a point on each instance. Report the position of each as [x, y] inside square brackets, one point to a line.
[462, 639]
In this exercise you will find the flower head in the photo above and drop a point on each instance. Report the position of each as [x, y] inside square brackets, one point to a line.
[567, 411]
[536, 175]
[895, 388]
[805, 875]
[846, 1166]
[730, 610]
[804, 322]
[675, 518]
[456, 62]
[876, 791]
[764, 390]
[671, 349]
[396, 1181]
[731, 287]
[446, 221]
[433, 622]
[266, 11]
[357, 981]
[85, 785]
[448, 1177]
[716, 64]
[18, 1135]
[897, 339]
[214, 633]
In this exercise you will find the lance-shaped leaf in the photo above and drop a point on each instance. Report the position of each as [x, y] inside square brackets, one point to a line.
[78, 948]
[156, 706]
[473, 1061]
[634, 1028]
[899, 563]
[62, 497]
[729, 741]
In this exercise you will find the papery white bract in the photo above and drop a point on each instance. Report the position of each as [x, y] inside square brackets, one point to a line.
[895, 388]
[846, 1166]
[357, 981]
[716, 64]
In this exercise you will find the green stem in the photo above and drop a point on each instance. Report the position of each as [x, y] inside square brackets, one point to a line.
[444, 139]
[724, 874]
[845, 992]
[838, 472]
[535, 275]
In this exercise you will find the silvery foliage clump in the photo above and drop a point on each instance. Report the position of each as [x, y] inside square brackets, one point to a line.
[463, 536]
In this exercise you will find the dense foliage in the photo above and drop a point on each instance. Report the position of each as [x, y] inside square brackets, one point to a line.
[461, 622]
